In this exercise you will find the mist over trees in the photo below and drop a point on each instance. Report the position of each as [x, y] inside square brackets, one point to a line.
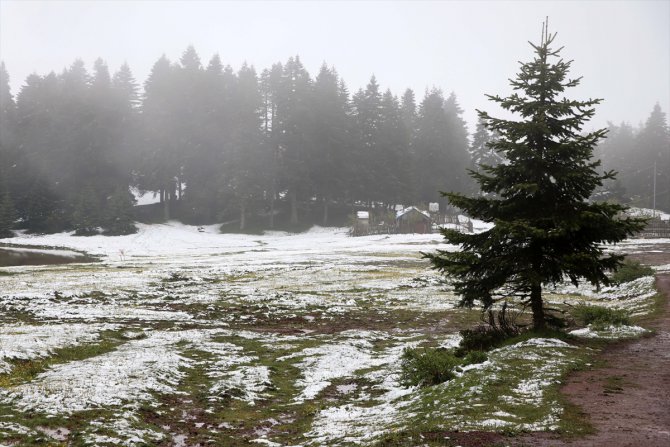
[637, 153]
[278, 148]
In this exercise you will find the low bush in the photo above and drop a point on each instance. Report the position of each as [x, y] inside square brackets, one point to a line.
[630, 271]
[427, 366]
[474, 357]
[600, 317]
[481, 338]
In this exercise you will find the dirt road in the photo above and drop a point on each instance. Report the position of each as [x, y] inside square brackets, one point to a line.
[628, 399]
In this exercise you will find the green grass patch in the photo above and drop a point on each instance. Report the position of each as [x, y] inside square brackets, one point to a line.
[25, 370]
[631, 270]
[601, 317]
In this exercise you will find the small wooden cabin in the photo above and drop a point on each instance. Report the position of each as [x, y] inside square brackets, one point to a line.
[413, 220]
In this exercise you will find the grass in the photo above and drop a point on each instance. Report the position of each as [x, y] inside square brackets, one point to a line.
[432, 413]
[631, 270]
[25, 370]
[601, 317]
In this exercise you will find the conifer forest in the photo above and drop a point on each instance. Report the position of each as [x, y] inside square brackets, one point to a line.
[275, 148]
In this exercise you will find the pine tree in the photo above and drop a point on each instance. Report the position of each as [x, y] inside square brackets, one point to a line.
[119, 217]
[653, 151]
[481, 151]
[7, 215]
[86, 216]
[545, 227]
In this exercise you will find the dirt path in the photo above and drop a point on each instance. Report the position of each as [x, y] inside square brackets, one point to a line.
[628, 399]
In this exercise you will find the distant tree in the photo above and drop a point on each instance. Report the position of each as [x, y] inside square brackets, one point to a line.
[481, 151]
[295, 125]
[41, 210]
[119, 217]
[162, 160]
[331, 131]
[7, 215]
[244, 168]
[86, 218]
[408, 108]
[545, 229]
[457, 143]
[367, 113]
[393, 163]
[10, 158]
[653, 150]
[440, 148]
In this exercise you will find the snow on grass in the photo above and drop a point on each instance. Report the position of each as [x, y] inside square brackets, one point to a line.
[233, 376]
[321, 364]
[234, 281]
[126, 376]
[27, 342]
[367, 418]
[633, 296]
[610, 332]
[120, 429]
[508, 391]
[647, 212]
[247, 383]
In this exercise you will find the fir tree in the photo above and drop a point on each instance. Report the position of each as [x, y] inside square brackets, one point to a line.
[480, 150]
[7, 216]
[545, 227]
[119, 216]
[86, 217]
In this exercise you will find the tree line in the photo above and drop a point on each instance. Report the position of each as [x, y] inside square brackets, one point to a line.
[218, 144]
[638, 154]
[279, 149]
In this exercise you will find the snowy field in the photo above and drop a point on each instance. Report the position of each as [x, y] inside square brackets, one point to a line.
[182, 337]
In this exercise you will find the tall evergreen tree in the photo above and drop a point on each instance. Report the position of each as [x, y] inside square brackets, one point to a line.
[440, 148]
[296, 129]
[7, 215]
[246, 162]
[162, 162]
[87, 217]
[367, 106]
[393, 163]
[118, 216]
[545, 227]
[481, 151]
[9, 154]
[331, 125]
[653, 151]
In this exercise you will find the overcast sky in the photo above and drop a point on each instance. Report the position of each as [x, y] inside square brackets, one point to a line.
[621, 48]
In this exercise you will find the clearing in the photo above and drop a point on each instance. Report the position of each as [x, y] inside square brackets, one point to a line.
[178, 337]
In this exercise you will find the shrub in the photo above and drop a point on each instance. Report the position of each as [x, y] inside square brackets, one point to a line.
[600, 317]
[473, 357]
[481, 338]
[427, 366]
[630, 271]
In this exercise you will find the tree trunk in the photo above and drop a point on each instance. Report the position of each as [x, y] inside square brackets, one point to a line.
[537, 306]
[166, 208]
[272, 210]
[243, 217]
[294, 208]
[325, 212]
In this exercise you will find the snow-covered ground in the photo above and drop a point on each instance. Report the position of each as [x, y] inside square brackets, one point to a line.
[289, 329]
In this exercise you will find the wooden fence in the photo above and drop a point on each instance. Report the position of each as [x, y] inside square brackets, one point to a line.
[656, 228]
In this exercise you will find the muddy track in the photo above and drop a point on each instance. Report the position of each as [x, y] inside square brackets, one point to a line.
[628, 399]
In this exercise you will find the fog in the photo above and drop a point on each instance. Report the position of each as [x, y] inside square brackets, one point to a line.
[622, 48]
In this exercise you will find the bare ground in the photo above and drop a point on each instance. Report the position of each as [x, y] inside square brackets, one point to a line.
[627, 400]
